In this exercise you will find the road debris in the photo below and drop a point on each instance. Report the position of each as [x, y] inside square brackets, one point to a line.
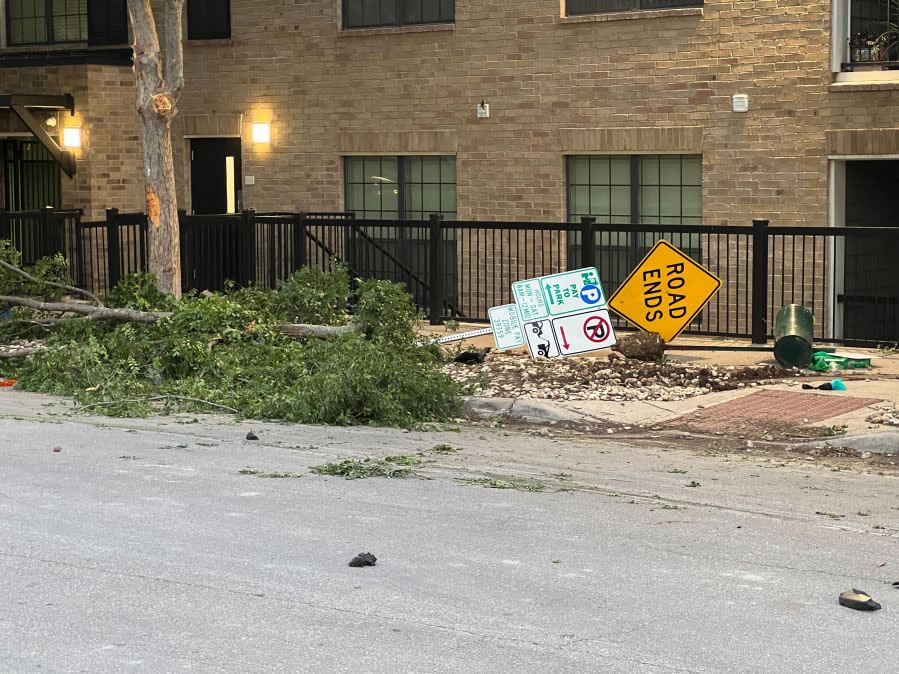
[858, 600]
[832, 385]
[355, 469]
[886, 414]
[472, 357]
[57, 449]
[363, 559]
[645, 346]
[252, 436]
[512, 375]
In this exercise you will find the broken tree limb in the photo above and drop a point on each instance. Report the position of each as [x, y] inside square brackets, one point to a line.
[98, 313]
[53, 284]
[134, 316]
[19, 353]
[306, 330]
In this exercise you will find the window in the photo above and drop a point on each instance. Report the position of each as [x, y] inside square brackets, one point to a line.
[576, 7]
[638, 189]
[871, 35]
[401, 188]
[369, 13]
[46, 21]
[208, 19]
[630, 191]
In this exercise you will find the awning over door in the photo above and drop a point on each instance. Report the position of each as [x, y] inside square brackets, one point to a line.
[22, 104]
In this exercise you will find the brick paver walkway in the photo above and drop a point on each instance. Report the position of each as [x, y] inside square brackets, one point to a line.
[770, 409]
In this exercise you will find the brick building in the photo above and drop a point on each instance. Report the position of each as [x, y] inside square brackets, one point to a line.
[628, 110]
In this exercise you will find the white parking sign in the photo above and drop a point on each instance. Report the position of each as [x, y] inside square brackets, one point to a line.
[559, 294]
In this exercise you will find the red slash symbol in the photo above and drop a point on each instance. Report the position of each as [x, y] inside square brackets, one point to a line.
[565, 343]
[596, 329]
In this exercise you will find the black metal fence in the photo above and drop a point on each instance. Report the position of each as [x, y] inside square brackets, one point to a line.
[459, 269]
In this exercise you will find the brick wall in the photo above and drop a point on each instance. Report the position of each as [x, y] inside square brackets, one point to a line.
[540, 75]
[108, 163]
[651, 82]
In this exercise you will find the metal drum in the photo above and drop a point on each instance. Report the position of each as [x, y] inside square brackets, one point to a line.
[794, 329]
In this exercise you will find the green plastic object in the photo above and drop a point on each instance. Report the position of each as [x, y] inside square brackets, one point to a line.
[829, 362]
[794, 329]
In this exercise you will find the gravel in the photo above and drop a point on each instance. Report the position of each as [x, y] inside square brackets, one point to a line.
[612, 378]
[886, 414]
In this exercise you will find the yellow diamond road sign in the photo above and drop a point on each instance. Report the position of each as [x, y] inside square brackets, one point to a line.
[665, 292]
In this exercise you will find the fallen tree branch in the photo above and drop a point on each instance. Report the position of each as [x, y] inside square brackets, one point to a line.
[19, 353]
[53, 284]
[101, 403]
[98, 313]
[107, 313]
[306, 330]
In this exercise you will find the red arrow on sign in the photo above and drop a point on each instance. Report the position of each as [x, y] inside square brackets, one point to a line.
[565, 343]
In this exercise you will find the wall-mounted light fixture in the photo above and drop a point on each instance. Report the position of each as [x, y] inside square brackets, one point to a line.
[262, 133]
[71, 137]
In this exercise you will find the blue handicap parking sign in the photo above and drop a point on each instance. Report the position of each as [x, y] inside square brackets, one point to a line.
[591, 294]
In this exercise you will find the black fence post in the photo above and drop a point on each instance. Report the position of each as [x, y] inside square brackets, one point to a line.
[588, 241]
[79, 253]
[299, 240]
[249, 249]
[113, 247]
[759, 281]
[435, 282]
[184, 250]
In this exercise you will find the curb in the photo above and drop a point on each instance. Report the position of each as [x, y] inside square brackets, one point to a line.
[886, 442]
[520, 409]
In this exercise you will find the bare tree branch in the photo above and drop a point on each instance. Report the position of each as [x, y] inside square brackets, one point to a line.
[98, 313]
[62, 286]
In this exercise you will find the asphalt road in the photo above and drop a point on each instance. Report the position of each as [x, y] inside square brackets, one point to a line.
[140, 548]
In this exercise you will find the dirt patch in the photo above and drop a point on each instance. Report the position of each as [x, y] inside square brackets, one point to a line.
[613, 378]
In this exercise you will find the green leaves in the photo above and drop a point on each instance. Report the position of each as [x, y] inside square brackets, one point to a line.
[226, 349]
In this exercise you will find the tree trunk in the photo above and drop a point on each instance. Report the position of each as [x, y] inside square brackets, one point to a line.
[157, 98]
[163, 238]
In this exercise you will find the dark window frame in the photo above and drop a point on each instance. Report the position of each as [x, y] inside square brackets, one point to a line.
[195, 33]
[404, 184]
[635, 185]
[50, 38]
[403, 10]
[586, 7]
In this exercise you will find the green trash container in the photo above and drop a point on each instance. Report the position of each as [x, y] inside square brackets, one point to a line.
[794, 329]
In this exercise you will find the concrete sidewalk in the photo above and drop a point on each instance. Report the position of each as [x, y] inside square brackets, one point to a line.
[876, 389]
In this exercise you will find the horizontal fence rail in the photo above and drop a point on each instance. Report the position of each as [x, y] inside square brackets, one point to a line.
[459, 269]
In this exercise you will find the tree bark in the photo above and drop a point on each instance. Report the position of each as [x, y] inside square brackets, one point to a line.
[157, 98]
[306, 330]
[19, 353]
[132, 315]
[98, 313]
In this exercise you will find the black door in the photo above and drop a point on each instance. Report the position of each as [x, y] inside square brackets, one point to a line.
[215, 175]
[870, 295]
